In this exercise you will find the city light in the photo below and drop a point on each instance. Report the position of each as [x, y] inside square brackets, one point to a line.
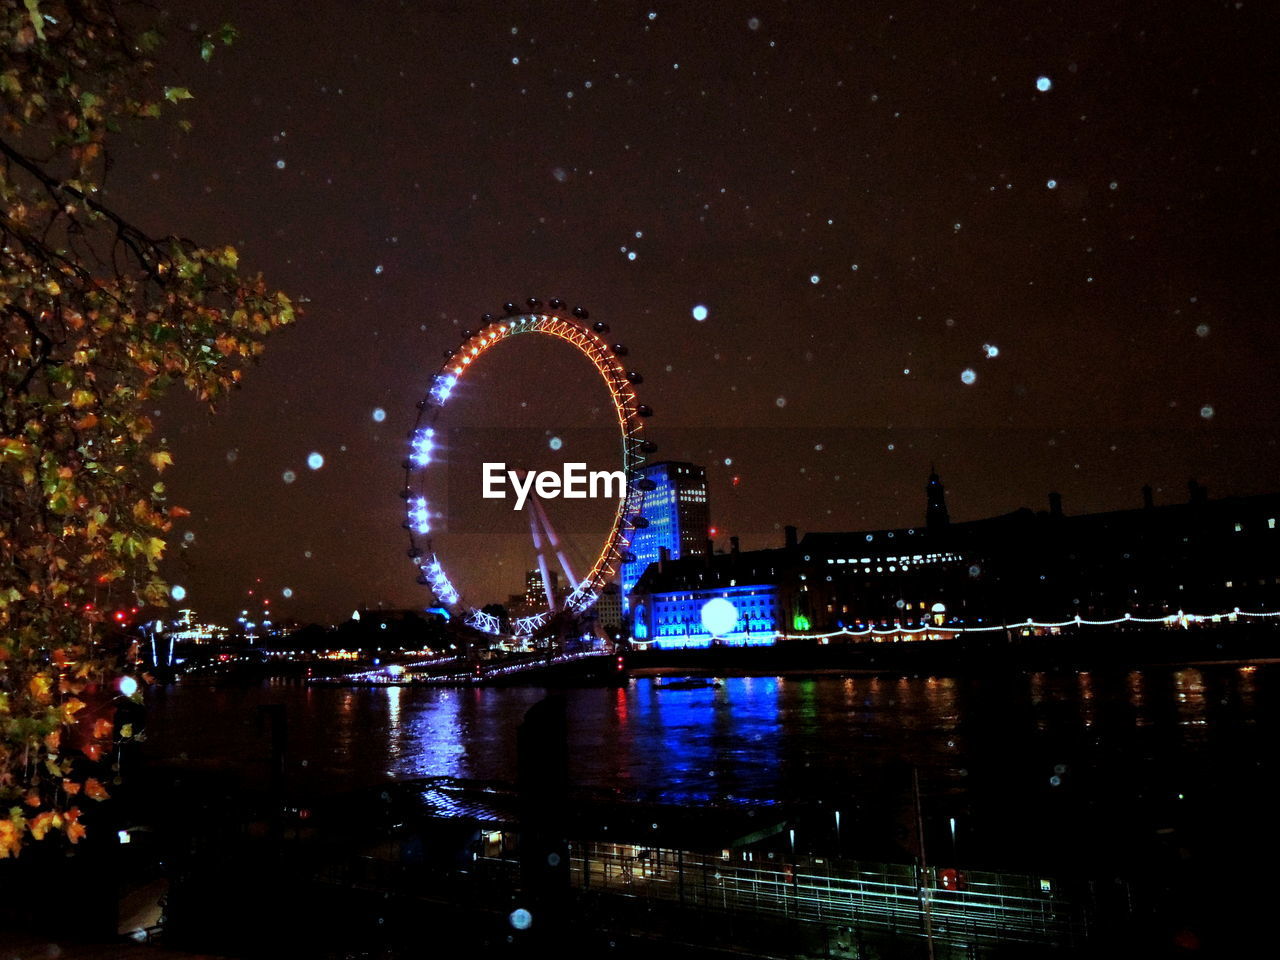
[719, 616]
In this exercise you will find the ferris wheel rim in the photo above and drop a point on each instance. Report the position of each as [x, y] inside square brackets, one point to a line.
[630, 414]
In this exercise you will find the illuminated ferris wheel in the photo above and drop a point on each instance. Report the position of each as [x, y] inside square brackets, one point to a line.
[573, 328]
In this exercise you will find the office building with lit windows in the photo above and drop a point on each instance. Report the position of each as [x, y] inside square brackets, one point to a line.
[677, 519]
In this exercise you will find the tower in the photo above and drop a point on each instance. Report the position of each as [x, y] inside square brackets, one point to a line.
[678, 519]
[936, 516]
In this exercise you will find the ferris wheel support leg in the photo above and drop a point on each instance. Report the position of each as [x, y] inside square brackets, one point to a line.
[542, 558]
[554, 542]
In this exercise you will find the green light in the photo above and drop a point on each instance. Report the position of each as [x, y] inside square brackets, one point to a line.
[800, 622]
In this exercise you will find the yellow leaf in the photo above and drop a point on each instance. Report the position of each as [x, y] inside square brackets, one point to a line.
[161, 459]
[43, 823]
[39, 686]
[10, 839]
[37, 23]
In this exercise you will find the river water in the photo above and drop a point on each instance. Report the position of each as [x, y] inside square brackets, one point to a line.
[1015, 769]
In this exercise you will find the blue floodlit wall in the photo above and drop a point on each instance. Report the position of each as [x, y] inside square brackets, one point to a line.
[675, 619]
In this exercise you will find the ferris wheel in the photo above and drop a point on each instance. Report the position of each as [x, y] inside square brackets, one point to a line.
[588, 338]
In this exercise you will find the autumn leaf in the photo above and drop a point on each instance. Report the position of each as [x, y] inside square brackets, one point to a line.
[95, 790]
[42, 823]
[75, 831]
[101, 728]
[161, 459]
[10, 839]
[39, 686]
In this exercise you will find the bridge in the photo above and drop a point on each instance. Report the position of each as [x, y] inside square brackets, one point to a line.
[578, 666]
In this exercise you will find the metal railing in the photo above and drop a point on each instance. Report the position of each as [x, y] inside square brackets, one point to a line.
[966, 907]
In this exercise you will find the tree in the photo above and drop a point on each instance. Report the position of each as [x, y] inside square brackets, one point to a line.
[98, 320]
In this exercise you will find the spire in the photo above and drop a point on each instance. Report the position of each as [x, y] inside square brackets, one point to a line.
[936, 516]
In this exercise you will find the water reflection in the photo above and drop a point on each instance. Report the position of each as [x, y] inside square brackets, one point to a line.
[988, 740]
[1189, 689]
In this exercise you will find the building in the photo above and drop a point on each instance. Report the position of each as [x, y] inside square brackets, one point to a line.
[1202, 557]
[676, 518]
[186, 629]
[609, 609]
[535, 594]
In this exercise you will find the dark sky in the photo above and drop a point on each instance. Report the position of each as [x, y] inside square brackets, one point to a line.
[866, 197]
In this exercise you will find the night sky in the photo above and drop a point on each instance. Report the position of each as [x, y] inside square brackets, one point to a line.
[1072, 206]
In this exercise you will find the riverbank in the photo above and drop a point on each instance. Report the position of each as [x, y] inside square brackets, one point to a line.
[1075, 649]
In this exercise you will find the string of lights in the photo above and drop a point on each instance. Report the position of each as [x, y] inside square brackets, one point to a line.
[1174, 619]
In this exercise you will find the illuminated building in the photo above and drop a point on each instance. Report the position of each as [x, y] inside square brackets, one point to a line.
[677, 515]
[1200, 557]
[186, 629]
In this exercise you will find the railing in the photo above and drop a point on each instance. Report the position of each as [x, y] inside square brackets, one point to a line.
[988, 907]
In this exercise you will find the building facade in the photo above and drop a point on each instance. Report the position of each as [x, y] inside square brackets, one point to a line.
[677, 519]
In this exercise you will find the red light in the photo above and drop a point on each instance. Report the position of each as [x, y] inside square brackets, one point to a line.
[713, 531]
[120, 616]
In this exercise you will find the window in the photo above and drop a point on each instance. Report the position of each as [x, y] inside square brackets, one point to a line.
[1271, 523]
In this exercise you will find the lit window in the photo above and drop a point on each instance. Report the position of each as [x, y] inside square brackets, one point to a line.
[1239, 527]
[1271, 523]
